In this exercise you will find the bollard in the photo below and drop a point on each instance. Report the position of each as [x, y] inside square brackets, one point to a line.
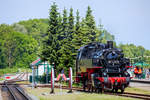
[52, 81]
[70, 80]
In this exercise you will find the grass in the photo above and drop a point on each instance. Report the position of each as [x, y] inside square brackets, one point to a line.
[137, 90]
[23, 82]
[1, 79]
[85, 97]
[73, 96]
[13, 70]
[8, 70]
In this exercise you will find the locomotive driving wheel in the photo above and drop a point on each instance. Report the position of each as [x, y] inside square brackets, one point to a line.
[116, 90]
[89, 86]
[100, 90]
[85, 83]
[122, 88]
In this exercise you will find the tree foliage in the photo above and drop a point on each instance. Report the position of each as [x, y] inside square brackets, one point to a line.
[50, 43]
[56, 39]
[136, 53]
[16, 49]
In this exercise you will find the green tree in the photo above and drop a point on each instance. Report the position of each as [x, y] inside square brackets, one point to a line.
[60, 35]
[65, 24]
[17, 49]
[37, 28]
[66, 50]
[50, 43]
[19, 28]
[71, 25]
[90, 22]
[76, 35]
[81, 35]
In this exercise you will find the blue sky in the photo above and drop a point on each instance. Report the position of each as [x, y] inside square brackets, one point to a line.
[128, 20]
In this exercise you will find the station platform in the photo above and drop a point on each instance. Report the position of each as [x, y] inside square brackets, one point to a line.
[141, 80]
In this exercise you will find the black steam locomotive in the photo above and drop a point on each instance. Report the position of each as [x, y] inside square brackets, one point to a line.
[101, 66]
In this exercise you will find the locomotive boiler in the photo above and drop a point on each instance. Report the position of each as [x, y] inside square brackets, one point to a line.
[102, 67]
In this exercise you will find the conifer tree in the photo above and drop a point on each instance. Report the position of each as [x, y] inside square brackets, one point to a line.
[66, 59]
[71, 25]
[50, 43]
[60, 27]
[81, 37]
[76, 35]
[71, 31]
[63, 41]
[77, 26]
[65, 24]
[89, 19]
[85, 32]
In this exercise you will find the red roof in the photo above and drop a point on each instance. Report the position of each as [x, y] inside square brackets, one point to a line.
[36, 61]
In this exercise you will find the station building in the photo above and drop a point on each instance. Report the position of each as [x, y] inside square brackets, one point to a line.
[40, 70]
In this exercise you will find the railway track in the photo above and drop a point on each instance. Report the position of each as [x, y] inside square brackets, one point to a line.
[14, 93]
[136, 95]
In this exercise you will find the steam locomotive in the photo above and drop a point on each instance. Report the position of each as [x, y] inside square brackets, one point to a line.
[101, 67]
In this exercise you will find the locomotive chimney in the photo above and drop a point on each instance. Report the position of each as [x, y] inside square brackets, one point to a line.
[110, 44]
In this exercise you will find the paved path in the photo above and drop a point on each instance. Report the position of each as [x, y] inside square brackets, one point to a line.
[148, 80]
[143, 81]
[0, 94]
[145, 86]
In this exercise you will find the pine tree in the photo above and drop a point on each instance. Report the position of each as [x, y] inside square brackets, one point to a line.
[84, 33]
[71, 25]
[71, 31]
[50, 43]
[66, 59]
[60, 36]
[63, 30]
[65, 24]
[89, 19]
[77, 26]
[63, 40]
[76, 42]
[81, 37]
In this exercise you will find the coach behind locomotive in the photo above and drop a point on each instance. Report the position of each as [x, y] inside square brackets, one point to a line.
[103, 66]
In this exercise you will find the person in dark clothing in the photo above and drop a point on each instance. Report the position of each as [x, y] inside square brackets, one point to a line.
[62, 71]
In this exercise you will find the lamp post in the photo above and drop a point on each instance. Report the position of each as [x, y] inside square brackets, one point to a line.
[142, 54]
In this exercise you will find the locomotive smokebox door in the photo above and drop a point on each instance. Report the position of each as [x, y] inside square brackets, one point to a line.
[110, 44]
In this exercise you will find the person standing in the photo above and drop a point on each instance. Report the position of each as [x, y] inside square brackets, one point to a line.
[136, 72]
[149, 74]
[140, 73]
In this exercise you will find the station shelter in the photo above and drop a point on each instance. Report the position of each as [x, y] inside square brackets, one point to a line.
[39, 69]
